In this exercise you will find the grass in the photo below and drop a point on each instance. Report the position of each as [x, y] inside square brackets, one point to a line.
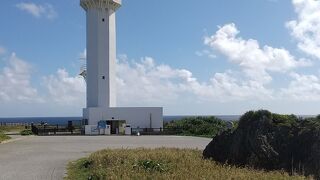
[4, 129]
[11, 128]
[160, 163]
[3, 137]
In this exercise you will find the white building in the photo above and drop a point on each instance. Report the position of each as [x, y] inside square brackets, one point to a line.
[100, 72]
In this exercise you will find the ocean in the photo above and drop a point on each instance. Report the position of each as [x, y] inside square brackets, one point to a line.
[64, 120]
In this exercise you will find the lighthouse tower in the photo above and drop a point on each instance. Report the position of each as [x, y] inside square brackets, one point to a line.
[101, 52]
[100, 73]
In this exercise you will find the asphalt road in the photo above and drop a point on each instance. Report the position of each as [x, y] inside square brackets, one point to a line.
[45, 158]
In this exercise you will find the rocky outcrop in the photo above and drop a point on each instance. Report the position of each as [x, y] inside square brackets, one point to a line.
[270, 141]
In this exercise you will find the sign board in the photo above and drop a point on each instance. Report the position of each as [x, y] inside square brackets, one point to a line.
[102, 124]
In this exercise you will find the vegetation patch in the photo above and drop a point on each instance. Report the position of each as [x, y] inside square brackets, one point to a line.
[11, 128]
[161, 163]
[26, 132]
[3, 137]
[150, 165]
[205, 126]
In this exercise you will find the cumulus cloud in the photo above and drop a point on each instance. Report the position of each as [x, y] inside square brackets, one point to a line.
[227, 87]
[142, 83]
[38, 10]
[255, 61]
[306, 28]
[15, 80]
[303, 88]
[65, 89]
[146, 81]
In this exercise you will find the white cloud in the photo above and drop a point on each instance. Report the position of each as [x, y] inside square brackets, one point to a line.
[15, 81]
[143, 83]
[306, 28]
[140, 83]
[254, 60]
[207, 53]
[38, 10]
[65, 89]
[303, 88]
[146, 82]
[228, 87]
[60, 88]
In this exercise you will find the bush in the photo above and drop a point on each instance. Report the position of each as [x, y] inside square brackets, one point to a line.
[26, 132]
[199, 126]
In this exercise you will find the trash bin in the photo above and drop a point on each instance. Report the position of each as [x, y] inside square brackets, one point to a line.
[108, 130]
[128, 129]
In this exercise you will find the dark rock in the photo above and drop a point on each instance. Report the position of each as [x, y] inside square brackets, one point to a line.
[270, 141]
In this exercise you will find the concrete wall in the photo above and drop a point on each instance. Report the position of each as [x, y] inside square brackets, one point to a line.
[101, 58]
[135, 116]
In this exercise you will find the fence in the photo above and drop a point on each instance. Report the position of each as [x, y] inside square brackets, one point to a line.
[77, 128]
[73, 128]
[156, 131]
[56, 130]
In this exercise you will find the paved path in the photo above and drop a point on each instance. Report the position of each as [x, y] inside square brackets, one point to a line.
[42, 158]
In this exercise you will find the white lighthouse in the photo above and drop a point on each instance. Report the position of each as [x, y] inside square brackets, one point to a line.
[101, 72]
[101, 52]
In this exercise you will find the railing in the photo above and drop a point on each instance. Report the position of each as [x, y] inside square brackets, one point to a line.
[73, 128]
[156, 131]
[46, 130]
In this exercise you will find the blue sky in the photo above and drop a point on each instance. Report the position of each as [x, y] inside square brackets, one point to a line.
[214, 57]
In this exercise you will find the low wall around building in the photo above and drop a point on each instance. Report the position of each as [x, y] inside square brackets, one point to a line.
[137, 117]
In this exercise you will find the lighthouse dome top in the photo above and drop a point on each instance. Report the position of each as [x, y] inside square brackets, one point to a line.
[110, 4]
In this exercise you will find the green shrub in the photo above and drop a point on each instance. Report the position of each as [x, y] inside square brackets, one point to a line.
[199, 126]
[26, 132]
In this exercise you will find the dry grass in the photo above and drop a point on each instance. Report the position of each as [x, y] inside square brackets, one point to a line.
[160, 164]
[11, 128]
[4, 129]
[3, 137]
